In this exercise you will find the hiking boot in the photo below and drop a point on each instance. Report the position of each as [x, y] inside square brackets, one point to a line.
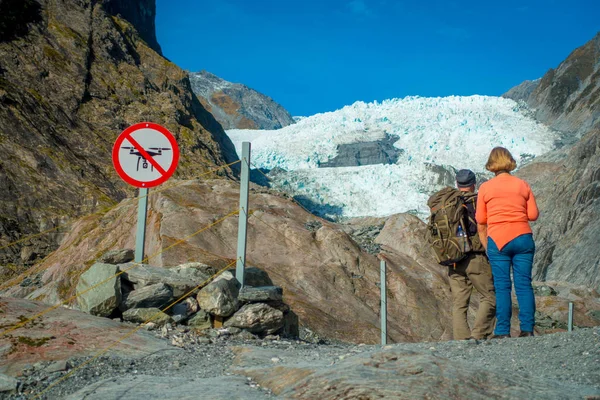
[525, 334]
[500, 337]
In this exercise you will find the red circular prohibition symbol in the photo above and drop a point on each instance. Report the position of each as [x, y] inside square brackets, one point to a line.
[126, 134]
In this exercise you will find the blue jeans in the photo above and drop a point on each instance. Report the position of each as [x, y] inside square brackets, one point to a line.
[517, 253]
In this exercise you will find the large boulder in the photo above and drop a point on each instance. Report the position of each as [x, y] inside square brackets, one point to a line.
[99, 290]
[146, 275]
[158, 295]
[117, 256]
[220, 297]
[257, 318]
[199, 321]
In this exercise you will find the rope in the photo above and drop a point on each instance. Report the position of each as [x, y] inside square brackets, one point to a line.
[19, 325]
[35, 268]
[133, 331]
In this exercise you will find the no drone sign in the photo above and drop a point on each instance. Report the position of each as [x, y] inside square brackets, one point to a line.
[145, 155]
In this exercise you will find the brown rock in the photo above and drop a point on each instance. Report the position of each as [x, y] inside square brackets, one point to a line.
[327, 280]
[257, 318]
[61, 334]
[219, 297]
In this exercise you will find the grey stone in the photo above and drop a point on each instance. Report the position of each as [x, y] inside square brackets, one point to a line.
[365, 153]
[544, 290]
[199, 321]
[257, 318]
[117, 256]
[142, 315]
[233, 330]
[56, 366]
[160, 387]
[245, 335]
[153, 296]
[146, 275]
[7, 383]
[250, 294]
[195, 271]
[220, 296]
[99, 290]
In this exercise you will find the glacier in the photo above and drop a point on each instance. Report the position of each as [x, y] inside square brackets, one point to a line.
[450, 132]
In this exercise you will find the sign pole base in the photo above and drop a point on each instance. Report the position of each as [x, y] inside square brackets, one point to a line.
[140, 235]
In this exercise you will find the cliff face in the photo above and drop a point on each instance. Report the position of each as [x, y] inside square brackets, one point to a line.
[73, 75]
[567, 181]
[237, 106]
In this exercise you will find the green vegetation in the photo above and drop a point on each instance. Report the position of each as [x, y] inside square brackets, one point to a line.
[34, 342]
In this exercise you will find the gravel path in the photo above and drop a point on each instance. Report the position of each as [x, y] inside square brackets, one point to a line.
[569, 358]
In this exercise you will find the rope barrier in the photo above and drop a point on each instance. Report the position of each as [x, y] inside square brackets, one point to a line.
[133, 331]
[24, 322]
[32, 270]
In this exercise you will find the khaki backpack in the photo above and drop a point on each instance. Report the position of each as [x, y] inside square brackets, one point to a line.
[449, 226]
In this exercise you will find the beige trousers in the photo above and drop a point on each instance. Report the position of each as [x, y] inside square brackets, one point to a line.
[473, 271]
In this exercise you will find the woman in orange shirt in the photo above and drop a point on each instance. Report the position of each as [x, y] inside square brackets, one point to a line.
[505, 205]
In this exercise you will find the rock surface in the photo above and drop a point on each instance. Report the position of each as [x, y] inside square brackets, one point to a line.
[153, 387]
[99, 290]
[61, 334]
[236, 106]
[117, 257]
[219, 297]
[257, 318]
[152, 296]
[73, 75]
[250, 294]
[327, 280]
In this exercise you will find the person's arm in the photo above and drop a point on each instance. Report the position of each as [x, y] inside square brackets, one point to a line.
[481, 217]
[532, 209]
[482, 231]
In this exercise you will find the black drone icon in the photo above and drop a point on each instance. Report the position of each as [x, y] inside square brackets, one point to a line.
[152, 152]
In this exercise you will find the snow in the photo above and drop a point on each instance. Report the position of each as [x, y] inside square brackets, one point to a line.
[456, 132]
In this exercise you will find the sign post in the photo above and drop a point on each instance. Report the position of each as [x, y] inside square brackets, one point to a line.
[145, 155]
[243, 214]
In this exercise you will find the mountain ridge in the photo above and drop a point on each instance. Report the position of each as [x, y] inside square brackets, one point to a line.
[236, 106]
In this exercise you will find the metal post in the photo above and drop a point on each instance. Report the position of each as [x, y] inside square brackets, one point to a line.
[140, 235]
[243, 217]
[570, 325]
[383, 303]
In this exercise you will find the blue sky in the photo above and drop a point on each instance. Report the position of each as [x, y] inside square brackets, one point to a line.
[315, 56]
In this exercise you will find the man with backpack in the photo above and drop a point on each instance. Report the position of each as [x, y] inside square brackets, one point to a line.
[452, 233]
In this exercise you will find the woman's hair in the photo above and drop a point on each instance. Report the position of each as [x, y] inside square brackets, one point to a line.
[500, 160]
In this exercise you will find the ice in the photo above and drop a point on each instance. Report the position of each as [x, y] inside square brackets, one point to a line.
[457, 132]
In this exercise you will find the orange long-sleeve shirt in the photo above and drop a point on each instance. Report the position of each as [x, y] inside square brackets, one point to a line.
[506, 204]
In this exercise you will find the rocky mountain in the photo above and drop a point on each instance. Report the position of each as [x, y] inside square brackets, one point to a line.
[237, 106]
[567, 98]
[567, 181]
[522, 91]
[73, 75]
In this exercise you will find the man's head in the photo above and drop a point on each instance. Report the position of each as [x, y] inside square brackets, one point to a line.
[465, 180]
